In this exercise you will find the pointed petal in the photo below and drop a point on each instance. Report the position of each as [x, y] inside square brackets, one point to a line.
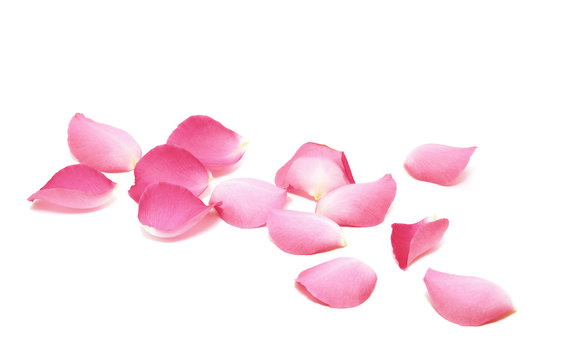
[340, 283]
[168, 163]
[409, 241]
[314, 170]
[77, 186]
[103, 147]
[359, 205]
[439, 164]
[246, 203]
[209, 141]
[467, 300]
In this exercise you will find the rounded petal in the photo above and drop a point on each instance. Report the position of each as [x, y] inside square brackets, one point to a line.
[359, 205]
[246, 203]
[103, 147]
[467, 300]
[439, 164]
[340, 283]
[213, 144]
[77, 186]
[314, 170]
[168, 163]
[303, 233]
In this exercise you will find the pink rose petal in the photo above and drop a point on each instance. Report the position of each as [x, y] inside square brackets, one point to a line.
[168, 163]
[467, 300]
[103, 147]
[439, 164]
[340, 283]
[76, 186]
[409, 241]
[209, 141]
[314, 170]
[246, 203]
[359, 205]
[302, 233]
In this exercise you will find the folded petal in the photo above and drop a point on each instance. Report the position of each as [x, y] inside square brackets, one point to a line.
[303, 233]
[246, 203]
[76, 186]
[314, 170]
[409, 241]
[359, 205]
[467, 300]
[340, 283]
[167, 210]
[103, 147]
[168, 163]
[213, 144]
[439, 164]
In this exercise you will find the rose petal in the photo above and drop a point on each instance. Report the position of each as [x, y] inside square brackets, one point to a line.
[359, 205]
[209, 141]
[467, 300]
[168, 163]
[77, 186]
[314, 170]
[167, 210]
[103, 147]
[302, 233]
[409, 241]
[439, 164]
[340, 283]
[246, 203]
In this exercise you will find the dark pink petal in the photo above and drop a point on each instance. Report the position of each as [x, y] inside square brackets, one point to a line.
[213, 144]
[467, 300]
[340, 283]
[246, 203]
[168, 163]
[302, 233]
[314, 170]
[167, 210]
[409, 241]
[101, 146]
[359, 205]
[77, 186]
[439, 164]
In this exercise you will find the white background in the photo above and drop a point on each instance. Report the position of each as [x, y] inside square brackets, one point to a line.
[374, 79]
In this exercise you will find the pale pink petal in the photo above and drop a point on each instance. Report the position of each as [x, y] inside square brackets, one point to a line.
[213, 144]
[303, 233]
[167, 210]
[314, 170]
[103, 147]
[76, 186]
[246, 203]
[340, 283]
[359, 205]
[409, 241]
[168, 163]
[467, 300]
[439, 164]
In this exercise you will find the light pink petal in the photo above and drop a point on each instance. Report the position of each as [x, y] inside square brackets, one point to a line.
[409, 241]
[101, 146]
[359, 205]
[439, 164]
[168, 163]
[314, 170]
[302, 233]
[167, 210]
[246, 203]
[213, 144]
[77, 186]
[467, 300]
[340, 283]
